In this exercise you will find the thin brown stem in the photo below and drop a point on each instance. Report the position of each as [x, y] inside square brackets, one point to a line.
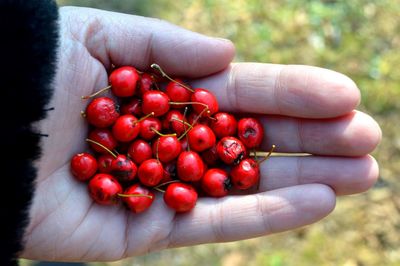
[167, 183]
[133, 195]
[161, 134]
[159, 69]
[102, 146]
[143, 118]
[159, 189]
[96, 93]
[266, 155]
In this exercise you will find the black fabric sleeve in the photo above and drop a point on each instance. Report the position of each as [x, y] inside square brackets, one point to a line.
[28, 43]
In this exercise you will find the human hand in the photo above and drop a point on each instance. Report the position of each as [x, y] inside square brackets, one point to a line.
[304, 110]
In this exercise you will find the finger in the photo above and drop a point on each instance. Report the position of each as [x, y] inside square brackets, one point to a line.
[344, 175]
[355, 134]
[292, 90]
[124, 39]
[241, 217]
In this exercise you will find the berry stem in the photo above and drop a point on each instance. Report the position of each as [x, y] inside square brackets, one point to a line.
[161, 134]
[266, 155]
[101, 145]
[159, 69]
[183, 122]
[167, 183]
[194, 122]
[96, 93]
[184, 127]
[159, 189]
[133, 195]
[186, 103]
[143, 118]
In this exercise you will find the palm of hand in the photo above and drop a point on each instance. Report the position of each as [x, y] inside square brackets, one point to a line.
[67, 225]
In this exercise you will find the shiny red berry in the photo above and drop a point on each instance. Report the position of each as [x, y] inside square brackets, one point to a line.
[123, 81]
[180, 197]
[224, 125]
[174, 122]
[178, 93]
[149, 128]
[169, 172]
[123, 168]
[246, 174]
[206, 98]
[216, 182]
[105, 138]
[166, 148]
[104, 189]
[201, 138]
[133, 106]
[150, 172]
[250, 132]
[104, 163]
[146, 83]
[102, 112]
[140, 151]
[83, 166]
[210, 156]
[126, 128]
[231, 150]
[189, 166]
[155, 101]
[142, 201]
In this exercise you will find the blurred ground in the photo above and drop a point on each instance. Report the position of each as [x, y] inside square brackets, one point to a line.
[360, 38]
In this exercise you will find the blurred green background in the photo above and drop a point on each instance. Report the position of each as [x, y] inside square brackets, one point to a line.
[360, 38]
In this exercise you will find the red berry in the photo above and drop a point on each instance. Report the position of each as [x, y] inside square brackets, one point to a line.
[146, 83]
[246, 174]
[140, 151]
[101, 112]
[123, 168]
[123, 81]
[140, 203]
[174, 122]
[166, 148]
[105, 138]
[155, 101]
[149, 127]
[216, 182]
[126, 128]
[83, 166]
[189, 166]
[104, 189]
[180, 197]
[132, 107]
[205, 97]
[169, 172]
[150, 172]
[224, 125]
[178, 93]
[184, 143]
[104, 163]
[210, 156]
[201, 138]
[194, 119]
[250, 132]
[231, 150]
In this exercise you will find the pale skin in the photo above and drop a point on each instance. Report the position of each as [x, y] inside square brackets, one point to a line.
[304, 110]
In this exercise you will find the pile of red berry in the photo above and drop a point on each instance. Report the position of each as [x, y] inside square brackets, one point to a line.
[174, 141]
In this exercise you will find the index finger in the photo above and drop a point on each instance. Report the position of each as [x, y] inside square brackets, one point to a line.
[290, 90]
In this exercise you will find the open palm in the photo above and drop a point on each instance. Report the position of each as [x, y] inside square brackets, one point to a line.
[304, 110]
